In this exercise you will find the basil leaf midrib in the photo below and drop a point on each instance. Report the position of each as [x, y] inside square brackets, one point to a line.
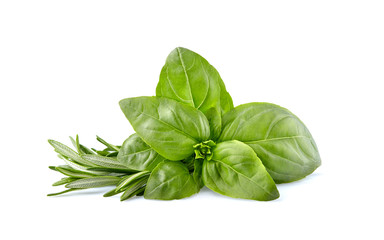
[186, 75]
[174, 91]
[207, 82]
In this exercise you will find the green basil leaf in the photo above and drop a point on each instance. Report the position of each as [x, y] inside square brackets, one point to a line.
[170, 180]
[279, 138]
[214, 119]
[188, 78]
[169, 127]
[226, 102]
[236, 171]
[136, 154]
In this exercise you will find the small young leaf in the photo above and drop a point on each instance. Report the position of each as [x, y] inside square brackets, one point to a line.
[94, 182]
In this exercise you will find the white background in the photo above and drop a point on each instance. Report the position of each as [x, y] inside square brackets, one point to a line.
[64, 65]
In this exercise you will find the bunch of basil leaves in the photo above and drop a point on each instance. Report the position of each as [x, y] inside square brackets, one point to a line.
[239, 152]
[190, 135]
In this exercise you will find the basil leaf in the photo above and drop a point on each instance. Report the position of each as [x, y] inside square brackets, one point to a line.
[236, 171]
[188, 78]
[136, 154]
[226, 102]
[214, 119]
[169, 127]
[279, 138]
[170, 180]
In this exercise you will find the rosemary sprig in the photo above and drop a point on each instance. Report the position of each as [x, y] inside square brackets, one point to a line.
[90, 168]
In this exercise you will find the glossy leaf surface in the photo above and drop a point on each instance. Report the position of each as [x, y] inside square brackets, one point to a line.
[136, 154]
[169, 127]
[279, 138]
[188, 78]
[214, 119]
[170, 180]
[236, 171]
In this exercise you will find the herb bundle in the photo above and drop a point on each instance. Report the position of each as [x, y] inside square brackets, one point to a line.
[190, 135]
